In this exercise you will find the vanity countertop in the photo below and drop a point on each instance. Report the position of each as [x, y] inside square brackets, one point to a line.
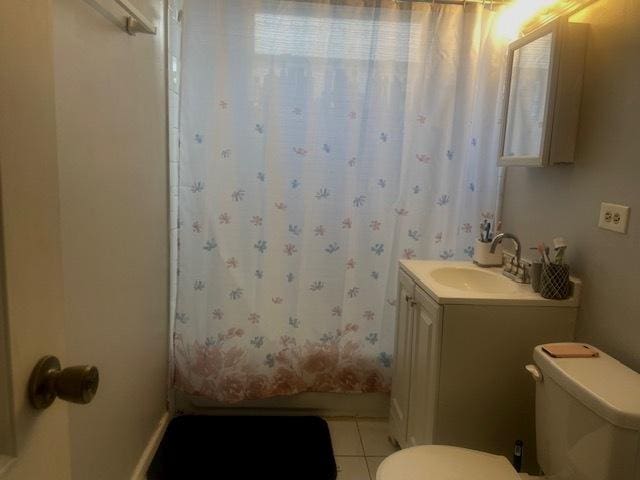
[499, 289]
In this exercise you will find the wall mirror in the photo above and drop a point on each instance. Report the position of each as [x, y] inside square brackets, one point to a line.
[542, 95]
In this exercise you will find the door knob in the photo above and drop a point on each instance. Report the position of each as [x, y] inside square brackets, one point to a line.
[76, 384]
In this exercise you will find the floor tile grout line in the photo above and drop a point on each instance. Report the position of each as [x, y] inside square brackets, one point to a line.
[366, 465]
[372, 475]
[363, 450]
[352, 421]
[356, 420]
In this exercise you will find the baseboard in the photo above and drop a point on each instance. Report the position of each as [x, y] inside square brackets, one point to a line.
[140, 472]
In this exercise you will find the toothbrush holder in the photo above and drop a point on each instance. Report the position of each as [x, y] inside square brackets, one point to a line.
[483, 257]
[554, 281]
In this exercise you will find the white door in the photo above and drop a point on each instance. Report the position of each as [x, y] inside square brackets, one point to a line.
[425, 368]
[402, 360]
[32, 300]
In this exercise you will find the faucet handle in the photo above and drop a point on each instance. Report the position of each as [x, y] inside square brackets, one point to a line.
[515, 266]
[516, 270]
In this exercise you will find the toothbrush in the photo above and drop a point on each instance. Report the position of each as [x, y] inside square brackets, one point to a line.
[544, 252]
[538, 249]
[560, 246]
[482, 230]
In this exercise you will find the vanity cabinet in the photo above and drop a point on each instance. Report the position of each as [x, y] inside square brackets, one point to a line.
[459, 376]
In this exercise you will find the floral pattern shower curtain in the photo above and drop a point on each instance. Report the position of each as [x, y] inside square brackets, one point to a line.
[319, 145]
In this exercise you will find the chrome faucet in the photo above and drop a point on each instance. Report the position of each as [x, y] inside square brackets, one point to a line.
[501, 236]
[516, 269]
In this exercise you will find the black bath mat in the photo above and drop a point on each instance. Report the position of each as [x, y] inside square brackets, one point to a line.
[238, 448]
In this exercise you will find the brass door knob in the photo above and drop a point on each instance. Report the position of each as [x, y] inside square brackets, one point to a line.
[77, 384]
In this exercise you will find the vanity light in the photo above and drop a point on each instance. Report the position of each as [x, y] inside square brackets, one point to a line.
[515, 16]
[523, 16]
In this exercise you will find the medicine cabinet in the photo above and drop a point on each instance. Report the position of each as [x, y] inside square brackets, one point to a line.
[542, 95]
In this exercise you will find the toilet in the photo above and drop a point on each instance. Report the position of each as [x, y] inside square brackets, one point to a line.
[587, 428]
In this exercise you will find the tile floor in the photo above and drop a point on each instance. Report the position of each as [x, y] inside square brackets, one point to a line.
[359, 446]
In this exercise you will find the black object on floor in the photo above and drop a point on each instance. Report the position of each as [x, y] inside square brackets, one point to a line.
[225, 448]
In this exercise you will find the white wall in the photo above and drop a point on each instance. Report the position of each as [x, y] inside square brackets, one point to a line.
[541, 204]
[112, 153]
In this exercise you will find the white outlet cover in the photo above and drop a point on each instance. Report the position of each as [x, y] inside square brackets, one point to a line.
[613, 217]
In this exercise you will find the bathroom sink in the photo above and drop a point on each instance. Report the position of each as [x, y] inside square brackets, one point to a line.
[471, 279]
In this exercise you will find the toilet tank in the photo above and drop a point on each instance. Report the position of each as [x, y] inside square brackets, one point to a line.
[587, 418]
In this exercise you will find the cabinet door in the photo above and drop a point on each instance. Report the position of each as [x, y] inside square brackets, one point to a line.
[402, 360]
[425, 368]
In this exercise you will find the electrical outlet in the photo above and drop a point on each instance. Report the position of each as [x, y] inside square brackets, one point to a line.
[614, 217]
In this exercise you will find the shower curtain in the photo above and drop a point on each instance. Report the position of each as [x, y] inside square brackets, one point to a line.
[320, 144]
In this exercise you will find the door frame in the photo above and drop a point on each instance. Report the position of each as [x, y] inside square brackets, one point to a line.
[8, 452]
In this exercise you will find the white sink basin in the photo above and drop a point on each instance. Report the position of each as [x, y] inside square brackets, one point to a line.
[473, 280]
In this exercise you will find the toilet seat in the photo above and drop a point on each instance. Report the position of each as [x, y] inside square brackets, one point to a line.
[440, 462]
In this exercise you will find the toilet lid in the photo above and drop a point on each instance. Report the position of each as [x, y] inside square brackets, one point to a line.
[440, 462]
